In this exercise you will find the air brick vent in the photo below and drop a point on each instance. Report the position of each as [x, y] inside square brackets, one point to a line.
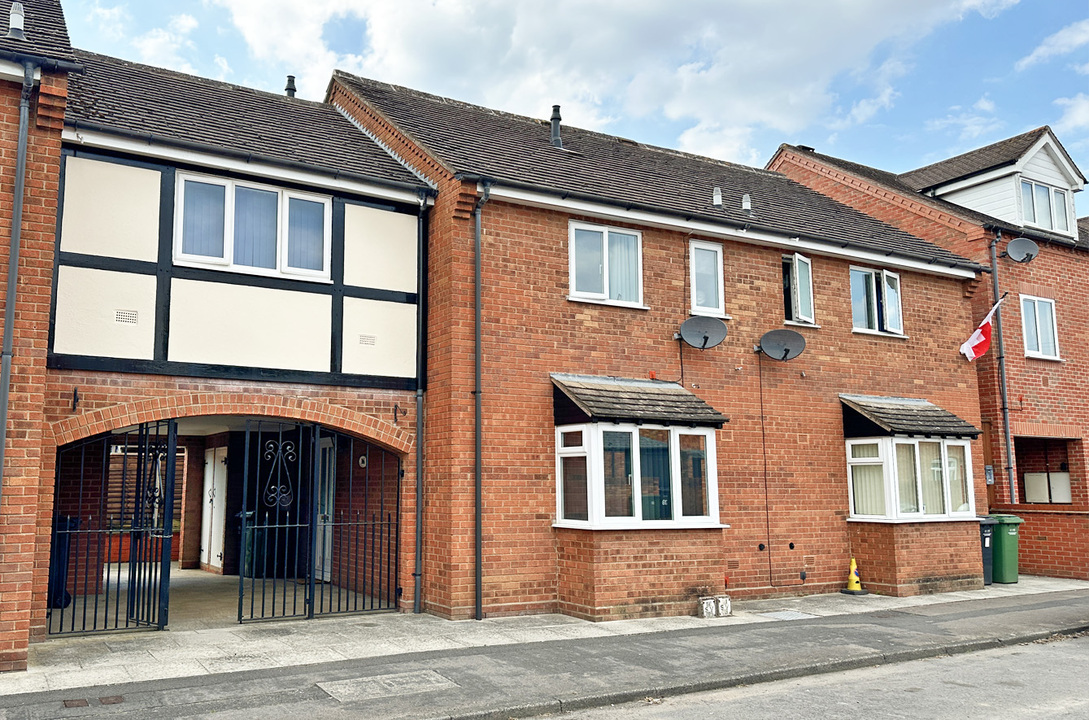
[126, 317]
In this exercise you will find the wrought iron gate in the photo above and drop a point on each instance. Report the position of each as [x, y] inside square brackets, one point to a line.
[319, 524]
[113, 526]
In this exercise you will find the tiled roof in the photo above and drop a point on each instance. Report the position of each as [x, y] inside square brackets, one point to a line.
[516, 151]
[908, 416]
[973, 162]
[626, 400]
[44, 27]
[896, 183]
[121, 96]
[1083, 231]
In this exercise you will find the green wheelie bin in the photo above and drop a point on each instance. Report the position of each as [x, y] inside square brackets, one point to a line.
[1005, 548]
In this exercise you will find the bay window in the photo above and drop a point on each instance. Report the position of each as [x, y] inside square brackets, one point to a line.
[624, 476]
[245, 227]
[903, 478]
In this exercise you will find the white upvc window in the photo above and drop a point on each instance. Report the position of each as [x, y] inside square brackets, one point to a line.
[876, 301]
[252, 228]
[705, 276]
[904, 478]
[798, 302]
[606, 264]
[1045, 206]
[1039, 327]
[621, 476]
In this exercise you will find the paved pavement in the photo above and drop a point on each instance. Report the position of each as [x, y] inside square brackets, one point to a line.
[399, 665]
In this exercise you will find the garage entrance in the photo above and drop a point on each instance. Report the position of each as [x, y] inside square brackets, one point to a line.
[305, 517]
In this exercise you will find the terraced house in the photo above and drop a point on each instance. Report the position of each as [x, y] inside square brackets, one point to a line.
[277, 358]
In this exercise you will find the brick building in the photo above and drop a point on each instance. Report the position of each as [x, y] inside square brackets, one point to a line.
[591, 252]
[1019, 187]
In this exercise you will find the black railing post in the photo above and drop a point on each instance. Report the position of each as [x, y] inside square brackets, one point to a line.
[167, 500]
[315, 489]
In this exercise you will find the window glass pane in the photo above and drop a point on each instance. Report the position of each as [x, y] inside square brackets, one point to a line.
[867, 450]
[1043, 205]
[706, 272]
[1032, 335]
[575, 503]
[1026, 201]
[616, 453]
[655, 481]
[868, 486]
[907, 478]
[862, 294]
[930, 466]
[1061, 220]
[202, 219]
[693, 474]
[305, 234]
[958, 478]
[894, 322]
[804, 288]
[255, 214]
[623, 267]
[589, 262]
[572, 438]
[1045, 314]
[788, 288]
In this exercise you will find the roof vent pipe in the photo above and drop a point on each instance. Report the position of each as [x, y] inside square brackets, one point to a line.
[290, 88]
[15, 22]
[716, 197]
[556, 127]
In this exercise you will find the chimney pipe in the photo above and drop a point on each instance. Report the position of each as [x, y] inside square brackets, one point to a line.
[290, 88]
[556, 127]
[15, 22]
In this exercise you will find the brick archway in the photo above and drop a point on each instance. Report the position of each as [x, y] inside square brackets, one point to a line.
[196, 404]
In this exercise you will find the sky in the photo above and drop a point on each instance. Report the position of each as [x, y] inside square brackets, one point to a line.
[894, 84]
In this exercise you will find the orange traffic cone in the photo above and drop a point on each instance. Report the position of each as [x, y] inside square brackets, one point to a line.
[854, 585]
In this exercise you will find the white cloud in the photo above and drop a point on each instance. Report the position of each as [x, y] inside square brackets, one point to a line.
[1082, 69]
[721, 68]
[1064, 42]
[984, 104]
[224, 67]
[110, 22]
[1075, 114]
[164, 46]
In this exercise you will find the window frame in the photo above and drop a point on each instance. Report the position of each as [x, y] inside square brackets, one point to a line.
[1036, 300]
[283, 202]
[603, 297]
[696, 309]
[593, 450]
[890, 477]
[879, 282]
[796, 316]
[1054, 204]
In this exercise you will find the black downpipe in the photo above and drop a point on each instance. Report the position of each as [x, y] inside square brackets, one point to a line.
[421, 294]
[477, 452]
[13, 259]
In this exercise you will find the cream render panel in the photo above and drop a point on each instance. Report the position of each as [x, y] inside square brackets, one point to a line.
[379, 249]
[110, 210]
[379, 338]
[104, 314]
[225, 324]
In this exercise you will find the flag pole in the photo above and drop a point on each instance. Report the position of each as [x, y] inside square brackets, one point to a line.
[1002, 371]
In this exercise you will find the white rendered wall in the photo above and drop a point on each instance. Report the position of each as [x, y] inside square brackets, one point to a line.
[110, 210]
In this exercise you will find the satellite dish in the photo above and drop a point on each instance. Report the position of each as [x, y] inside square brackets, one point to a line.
[1022, 250]
[703, 332]
[782, 344]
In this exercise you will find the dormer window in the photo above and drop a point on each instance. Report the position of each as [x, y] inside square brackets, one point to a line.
[1044, 206]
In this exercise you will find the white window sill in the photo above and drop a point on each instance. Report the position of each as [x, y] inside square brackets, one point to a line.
[710, 313]
[645, 525]
[795, 323]
[878, 333]
[1046, 358]
[246, 270]
[915, 520]
[1056, 231]
[612, 303]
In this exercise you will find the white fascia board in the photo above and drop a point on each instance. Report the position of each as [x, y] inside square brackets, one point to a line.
[209, 160]
[706, 229]
[14, 72]
[1058, 156]
[974, 180]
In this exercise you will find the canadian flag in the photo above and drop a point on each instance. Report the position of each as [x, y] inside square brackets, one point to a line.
[980, 341]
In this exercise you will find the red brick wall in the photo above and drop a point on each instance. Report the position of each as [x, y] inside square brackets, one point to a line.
[1054, 543]
[917, 558]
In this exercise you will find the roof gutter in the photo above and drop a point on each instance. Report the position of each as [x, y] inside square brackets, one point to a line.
[29, 67]
[242, 155]
[41, 62]
[739, 231]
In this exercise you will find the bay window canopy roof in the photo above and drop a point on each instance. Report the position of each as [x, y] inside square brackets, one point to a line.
[587, 398]
[869, 416]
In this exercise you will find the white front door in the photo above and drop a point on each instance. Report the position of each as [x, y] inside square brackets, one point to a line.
[326, 493]
[214, 515]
